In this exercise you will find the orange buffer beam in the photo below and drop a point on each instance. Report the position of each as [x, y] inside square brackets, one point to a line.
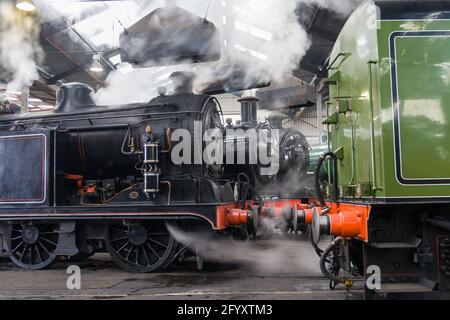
[233, 215]
[237, 217]
[345, 220]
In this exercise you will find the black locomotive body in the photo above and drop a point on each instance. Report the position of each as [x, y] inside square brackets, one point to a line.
[85, 178]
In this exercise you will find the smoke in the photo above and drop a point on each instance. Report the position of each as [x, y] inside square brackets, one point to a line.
[262, 41]
[20, 52]
[276, 255]
[342, 7]
[264, 51]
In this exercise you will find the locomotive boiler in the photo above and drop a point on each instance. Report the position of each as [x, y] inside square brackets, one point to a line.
[286, 151]
[84, 178]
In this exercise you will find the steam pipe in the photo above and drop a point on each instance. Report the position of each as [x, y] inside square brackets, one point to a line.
[317, 187]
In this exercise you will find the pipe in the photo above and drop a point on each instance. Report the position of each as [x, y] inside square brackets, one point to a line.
[314, 245]
[317, 187]
[169, 192]
[372, 130]
[323, 261]
[249, 187]
[122, 108]
[169, 132]
[25, 96]
[122, 149]
[96, 128]
[353, 179]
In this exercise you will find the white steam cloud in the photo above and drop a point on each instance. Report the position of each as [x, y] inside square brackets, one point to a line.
[264, 42]
[279, 254]
[20, 52]
[261, 39]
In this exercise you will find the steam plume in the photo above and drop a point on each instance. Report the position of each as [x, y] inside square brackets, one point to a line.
[265, 52]
[19, 47]
[270, 256]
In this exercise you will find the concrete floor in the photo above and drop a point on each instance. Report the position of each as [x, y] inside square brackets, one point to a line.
[292, 274]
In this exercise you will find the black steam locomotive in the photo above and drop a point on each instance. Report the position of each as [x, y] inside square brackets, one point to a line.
[85, 178]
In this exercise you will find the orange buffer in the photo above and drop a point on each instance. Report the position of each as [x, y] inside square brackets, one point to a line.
[345, 220]
[237, 217]
[233, 215]
[308, 214]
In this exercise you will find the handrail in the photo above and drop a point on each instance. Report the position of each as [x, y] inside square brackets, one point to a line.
[372, 129]
[341, 54]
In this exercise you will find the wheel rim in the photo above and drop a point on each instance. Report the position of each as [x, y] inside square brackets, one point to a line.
[140, 247]
[32, 246]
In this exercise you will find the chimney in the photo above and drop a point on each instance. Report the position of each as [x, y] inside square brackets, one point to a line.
[183, 82]
[249, 113]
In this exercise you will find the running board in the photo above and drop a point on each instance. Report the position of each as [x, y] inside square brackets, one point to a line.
[407, 287]
[407, 244]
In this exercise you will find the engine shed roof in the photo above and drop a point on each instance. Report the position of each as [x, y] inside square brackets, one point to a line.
[74, 31]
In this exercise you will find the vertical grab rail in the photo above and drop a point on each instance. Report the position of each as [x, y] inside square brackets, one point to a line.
[372, 129]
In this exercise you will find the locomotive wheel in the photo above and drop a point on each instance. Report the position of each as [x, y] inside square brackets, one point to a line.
[140, 247]
[32, 246]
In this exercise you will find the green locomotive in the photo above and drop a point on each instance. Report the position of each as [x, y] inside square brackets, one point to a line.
[389, 127]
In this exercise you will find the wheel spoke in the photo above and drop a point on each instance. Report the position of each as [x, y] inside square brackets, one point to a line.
[38, 252]
[118, 239]
[153, 250]
[49, 241]
[31, 254]
[137, 255]
[146, 256]
[123, 247]
[157, 242]
[23, 252]
[15, 249]
[18, 237]
[43, 247]
[119, 229]
[129, 253]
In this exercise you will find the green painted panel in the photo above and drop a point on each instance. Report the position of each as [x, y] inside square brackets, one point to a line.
[424, 106]
[423, 73]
